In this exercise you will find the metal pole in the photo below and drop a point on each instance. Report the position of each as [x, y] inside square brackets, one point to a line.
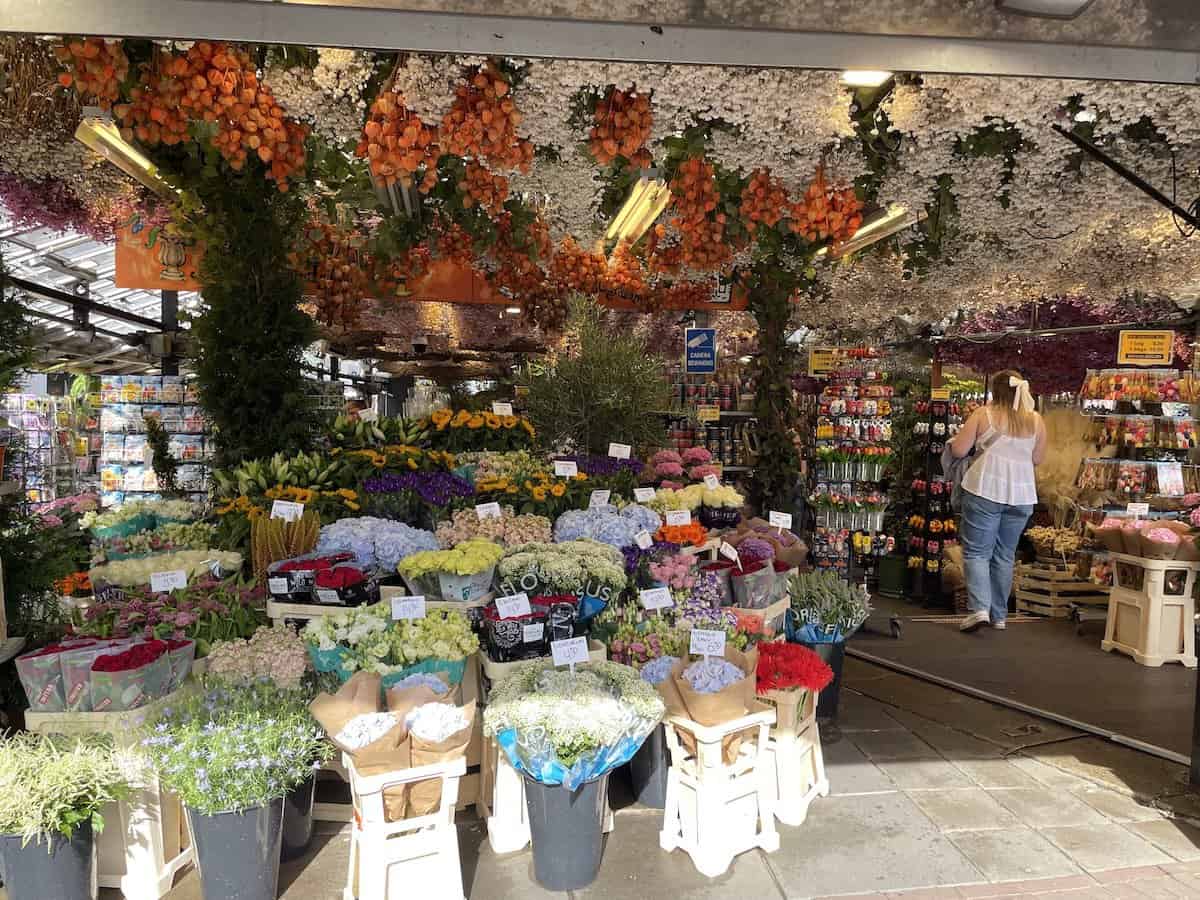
[170, 324]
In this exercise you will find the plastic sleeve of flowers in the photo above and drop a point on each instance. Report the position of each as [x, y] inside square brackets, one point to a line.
[434, 722]
[421, 679]
[814, 633]
[712, 674]
[657, 670]
[365, 729]
[536, 758]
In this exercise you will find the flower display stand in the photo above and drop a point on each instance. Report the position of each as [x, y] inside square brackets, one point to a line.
[716, 810]
[421, 852]
[1151, 610]
[795, 754]
[145, 841]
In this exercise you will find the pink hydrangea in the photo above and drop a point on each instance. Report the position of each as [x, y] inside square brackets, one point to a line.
[666, 456]
[1194, 518]
[697, 473]
[694, 455]
[668, 470]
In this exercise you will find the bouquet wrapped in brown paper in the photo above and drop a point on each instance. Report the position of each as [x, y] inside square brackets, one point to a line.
[437, 732]
[788, 548]
[713, 707]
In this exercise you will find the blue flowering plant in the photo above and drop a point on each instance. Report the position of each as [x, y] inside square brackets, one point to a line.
[229, 748]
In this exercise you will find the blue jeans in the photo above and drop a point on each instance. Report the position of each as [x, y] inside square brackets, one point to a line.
[990, 532]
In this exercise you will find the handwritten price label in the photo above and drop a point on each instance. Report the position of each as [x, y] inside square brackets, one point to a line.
[643, 540]
[707, 643]
[569, 652]
[1138, 510]
[679, 517]
[514, 606]
[565, 468]
[531, 634]
[325, 595]
[487, 511]
[502, 409]
[161, 582]
[620, 451]
[730, 552]
[712, 482]
[408, 608]
[287, 510]
[643, 495]
[779, 519]
[599, 498]
[656, 598]
[277, 585]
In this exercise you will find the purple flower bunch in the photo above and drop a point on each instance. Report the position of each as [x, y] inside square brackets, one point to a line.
[435, 488]
[635, 555]
[755, 550]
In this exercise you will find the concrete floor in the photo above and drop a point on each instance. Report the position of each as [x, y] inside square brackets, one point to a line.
[934, 794]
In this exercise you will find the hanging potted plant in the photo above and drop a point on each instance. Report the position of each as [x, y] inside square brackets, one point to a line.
[565, 731]
[52, 789]
[824, 612]
[232, 755]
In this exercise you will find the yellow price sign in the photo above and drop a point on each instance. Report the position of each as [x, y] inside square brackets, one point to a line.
[822, 361]
[939, 394]
[708, 413]
[1146, 348]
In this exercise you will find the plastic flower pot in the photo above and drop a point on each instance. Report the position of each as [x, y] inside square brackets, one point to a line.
[834, 654]
[238, 852]
[298, 819]
[64, 870]
[465, 588]
[566, 832]
[648, 770]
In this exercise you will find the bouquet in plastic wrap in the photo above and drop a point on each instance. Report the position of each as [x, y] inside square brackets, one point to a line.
[824, 608]
[568, 728]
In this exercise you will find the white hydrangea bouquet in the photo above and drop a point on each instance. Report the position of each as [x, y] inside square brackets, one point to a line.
[569, 727]
[588, 569]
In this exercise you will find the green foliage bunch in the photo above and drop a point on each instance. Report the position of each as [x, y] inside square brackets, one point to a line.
[16, 334]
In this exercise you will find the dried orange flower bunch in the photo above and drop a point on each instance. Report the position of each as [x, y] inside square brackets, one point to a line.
[411, 265]
[482, 123]
[764, 201]
[479, 186]
[155, 113]
[626, 277]
[576, 268]
[623, 121]
[694, 193]
[334, 269]
[97, 68]
[454, 244]
[397, 143]
[826, 213]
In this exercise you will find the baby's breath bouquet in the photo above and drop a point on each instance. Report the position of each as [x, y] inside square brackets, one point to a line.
[564, 727]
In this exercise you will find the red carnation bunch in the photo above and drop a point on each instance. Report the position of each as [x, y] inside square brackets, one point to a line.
[340, 577]
[315, 564]
[782, 666]
[134, 658]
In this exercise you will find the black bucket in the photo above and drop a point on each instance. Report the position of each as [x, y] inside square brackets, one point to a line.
[64, 873]
[298, 818]
[238, 852]
[648, 770]
[566, 828]
[834, 653]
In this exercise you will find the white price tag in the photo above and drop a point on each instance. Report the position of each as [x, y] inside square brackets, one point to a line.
[643, 540]
[502, 409]
[779, 519]
[168, 581]
[1138, 510]
[532, 633]
[488, 511]
[570, 651]
[513, 606]
[679, 517]
[325, 595]
[565, 468]
[287, 510]
[730, 552]
[712, 482]
[707, 643]
[277, 585]
[620, 451]
[599, 498]
[408, 607]
[643, 495]
[656, 598]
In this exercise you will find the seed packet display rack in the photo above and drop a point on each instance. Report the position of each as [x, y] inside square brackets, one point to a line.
[931, 504]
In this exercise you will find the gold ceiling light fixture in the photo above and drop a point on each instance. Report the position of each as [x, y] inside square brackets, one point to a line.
[868, 78]
[645, 203]
[876, 227]
[100, 135]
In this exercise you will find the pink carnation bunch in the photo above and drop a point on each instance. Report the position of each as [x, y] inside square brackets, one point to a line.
[697, 473]
[666, 456]
[676, 572]
[695, 456]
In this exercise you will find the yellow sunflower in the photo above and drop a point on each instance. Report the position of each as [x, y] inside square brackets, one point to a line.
[558, 490]
[539, 494]
[509, 421]
[475, 421]
[440, 418]
[492, 420]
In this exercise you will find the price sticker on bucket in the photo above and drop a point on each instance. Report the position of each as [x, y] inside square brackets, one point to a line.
[643, 495]
[565, 468]
[277, 585]
[1138, 510]
[408, 607]
[679, 517]
[620, 451]
[599, 498]
[161, 582]
[712, 482]
[531, 634]
[779, 520]
[325, 595]
[287, 510]
[730, 552]
[643, 540]
[656, 598]
[513, 606]
[569, 651]
[707, 643]
[487, 511]
[502, 409]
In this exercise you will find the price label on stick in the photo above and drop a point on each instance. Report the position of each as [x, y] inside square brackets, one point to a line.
[1138, 510]
[643, 540]
[531, 634]
[287, 510]
[408, 607]
[569, 652]
[707, 643]
[599, 498]
[161, 582]
[712, 482]
[679, 517]
[643, 495]
[779, 520]
[620, 451]
[656, 598]
[513, 606]
[487, 511]
[565, 468]
[730, 552]
[502, 409]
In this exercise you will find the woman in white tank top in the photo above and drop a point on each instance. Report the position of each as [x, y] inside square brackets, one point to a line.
[999, 493]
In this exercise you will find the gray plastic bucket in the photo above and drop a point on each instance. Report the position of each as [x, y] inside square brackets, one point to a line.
[238, 852]
[63, 871]
[834, 654]
[566, 830]
[298, 818]
[648, 770]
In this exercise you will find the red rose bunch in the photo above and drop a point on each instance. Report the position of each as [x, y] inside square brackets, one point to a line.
[316, 564]
[339, 577]
[135, 657]
[784, 665]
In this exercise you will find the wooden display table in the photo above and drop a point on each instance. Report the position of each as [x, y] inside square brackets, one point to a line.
[1151, 611]
[1051, 588]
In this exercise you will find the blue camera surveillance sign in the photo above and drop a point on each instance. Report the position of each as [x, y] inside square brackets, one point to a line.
[700, 351]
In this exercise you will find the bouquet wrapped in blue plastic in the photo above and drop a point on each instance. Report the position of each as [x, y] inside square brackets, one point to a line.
[824, 608]
[568, 728]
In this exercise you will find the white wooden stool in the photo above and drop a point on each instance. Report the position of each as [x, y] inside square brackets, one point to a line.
[1150, 610]
[717, 810]
[423, 849]
[795, 754]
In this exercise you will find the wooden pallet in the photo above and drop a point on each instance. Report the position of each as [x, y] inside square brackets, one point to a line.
[1050, 589]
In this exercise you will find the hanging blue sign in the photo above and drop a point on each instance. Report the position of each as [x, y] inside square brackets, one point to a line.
[700, 351]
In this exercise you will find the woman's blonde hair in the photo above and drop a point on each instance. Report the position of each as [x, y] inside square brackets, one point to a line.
[1003, 410]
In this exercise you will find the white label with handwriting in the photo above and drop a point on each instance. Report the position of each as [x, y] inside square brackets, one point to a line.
[679, 517]
[277, 585]
[643, 540]
[287, 510]
[599, 498]
[1137, 510]
[779, 519]
[569, 652]
[502, 409]
[487, 511]
[643, 495]
[531, 634]
[168, 581]
[513, 606]
[707, 643]
[729, 552]
[565, 468]
[712, 482]
[325, 595]
[620, 451]
[408, 607]
[656, 598]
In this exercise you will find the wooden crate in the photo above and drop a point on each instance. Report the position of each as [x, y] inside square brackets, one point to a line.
[1049, 589]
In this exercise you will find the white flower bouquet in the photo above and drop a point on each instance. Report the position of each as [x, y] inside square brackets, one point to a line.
[587, 569]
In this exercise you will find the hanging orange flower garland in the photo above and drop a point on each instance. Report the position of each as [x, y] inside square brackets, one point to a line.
[96, 68]
[482, 187]
[826, 213]
[334, 265]
[764, 201]
[397, 144]
[482, 123]
[694, 205]
[623, 122]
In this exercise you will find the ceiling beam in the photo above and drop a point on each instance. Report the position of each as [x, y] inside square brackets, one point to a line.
[437, 32]
[68, 299]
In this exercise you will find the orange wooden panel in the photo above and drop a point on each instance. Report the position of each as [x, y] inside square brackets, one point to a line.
[151, 260]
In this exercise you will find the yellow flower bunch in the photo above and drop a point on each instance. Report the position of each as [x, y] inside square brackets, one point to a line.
[440, 418]
[241, 504]
[290, 492]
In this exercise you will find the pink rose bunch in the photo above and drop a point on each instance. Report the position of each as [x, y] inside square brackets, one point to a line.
[668, 470]
[698, 473]
[693, 456]
[665, 456]
[676, 572]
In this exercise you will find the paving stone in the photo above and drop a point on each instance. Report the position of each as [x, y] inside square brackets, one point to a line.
[1044, 808]
[1123, 769]
[923, 774]
[864, 843]
[883, 746]
[1120, 808]
[1012, 854]
[995, 773]
[1048, 774]
[850, 772]
[1179, 839]
[1035, 887]
[952, 742]
[1098, 847]
[859, 713]
[506, 876]
[971, 808]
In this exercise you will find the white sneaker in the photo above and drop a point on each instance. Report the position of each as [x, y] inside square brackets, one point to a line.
[1001, 625]
[974, 620]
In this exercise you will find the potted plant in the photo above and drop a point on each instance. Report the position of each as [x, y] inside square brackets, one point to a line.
[565, 731]
[232, 754]
[53, 788]
[824, 611]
